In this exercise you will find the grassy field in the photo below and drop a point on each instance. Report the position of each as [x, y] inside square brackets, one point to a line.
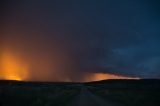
[126, 92]
[129, 92]
[19, 94]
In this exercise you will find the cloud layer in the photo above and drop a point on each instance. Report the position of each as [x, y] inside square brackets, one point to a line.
[70, 38]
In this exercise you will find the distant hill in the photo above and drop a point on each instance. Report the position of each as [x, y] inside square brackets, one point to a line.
[126, 81]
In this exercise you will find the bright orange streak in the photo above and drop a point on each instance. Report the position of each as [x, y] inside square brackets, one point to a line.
[105, 76]
[12, 67]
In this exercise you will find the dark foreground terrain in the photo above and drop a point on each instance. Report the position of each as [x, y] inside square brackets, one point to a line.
[100, 93]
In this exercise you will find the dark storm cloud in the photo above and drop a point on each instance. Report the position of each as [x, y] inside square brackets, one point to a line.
[120, 37]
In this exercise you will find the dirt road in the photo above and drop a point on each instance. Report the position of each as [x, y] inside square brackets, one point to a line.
[86, 98]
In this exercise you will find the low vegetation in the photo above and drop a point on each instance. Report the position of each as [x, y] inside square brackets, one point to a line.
[128, 93]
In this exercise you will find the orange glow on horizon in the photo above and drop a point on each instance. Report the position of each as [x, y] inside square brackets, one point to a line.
[105, 76]
[12, 67]
[15, 68]
[13, 77]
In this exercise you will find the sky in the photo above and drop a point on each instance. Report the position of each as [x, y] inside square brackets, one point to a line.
[70, 37]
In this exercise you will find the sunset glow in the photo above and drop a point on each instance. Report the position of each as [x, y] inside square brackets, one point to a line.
[12, 67]
[106, 76]
[15, 68]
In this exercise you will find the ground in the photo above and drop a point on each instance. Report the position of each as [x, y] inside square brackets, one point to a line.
[101, 93]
